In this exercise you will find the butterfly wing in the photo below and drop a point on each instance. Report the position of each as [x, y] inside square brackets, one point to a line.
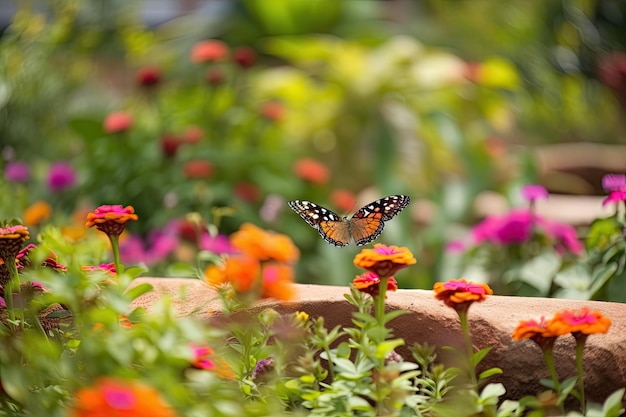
[328, 224]
[368, 223]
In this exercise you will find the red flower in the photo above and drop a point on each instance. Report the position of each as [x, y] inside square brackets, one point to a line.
[272, 110]
[247, 192]
[369, 282]
[117, 122]
[148, 76]
[311, 170]
[209, 51]
[170, 144]
[244, 56]
[198, 169]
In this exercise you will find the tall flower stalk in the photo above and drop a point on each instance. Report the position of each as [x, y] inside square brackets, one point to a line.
[12, 239]
[112, 220]
[460, 295]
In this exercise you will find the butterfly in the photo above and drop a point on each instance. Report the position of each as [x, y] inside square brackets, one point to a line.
[363, 227]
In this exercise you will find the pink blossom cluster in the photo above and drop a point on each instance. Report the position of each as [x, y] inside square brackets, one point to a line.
[518, 226]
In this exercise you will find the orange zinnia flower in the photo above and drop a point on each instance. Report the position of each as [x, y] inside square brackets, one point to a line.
[111, 397]
[369, 282]
[538, 331]
[384, 260]
[11, 240]
[37, 212]
[111, 219]
[459, 294]
[263, 245]
[240, 271]
[277, 282]
[583, 321]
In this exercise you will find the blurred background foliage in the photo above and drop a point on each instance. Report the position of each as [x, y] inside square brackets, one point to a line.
[325, 100]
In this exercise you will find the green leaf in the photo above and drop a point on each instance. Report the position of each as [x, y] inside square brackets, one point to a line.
[386, 347]
[613, 405]
[480, 355]
[138, 290]
[601, 275]
[602, 231]
[540, 271]
[489, 372]
[394, 314]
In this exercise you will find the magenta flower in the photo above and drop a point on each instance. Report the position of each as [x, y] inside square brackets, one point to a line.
[201, 357]
[16, 172]
[514, 227]
[615, 197]
[614, 182]
[61, 175]
[534, 192]
[219, 244]
[564, 235]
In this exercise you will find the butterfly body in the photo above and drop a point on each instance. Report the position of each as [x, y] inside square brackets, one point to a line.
[363, 227]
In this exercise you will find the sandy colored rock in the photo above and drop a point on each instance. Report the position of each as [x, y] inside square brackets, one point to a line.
[428, 320]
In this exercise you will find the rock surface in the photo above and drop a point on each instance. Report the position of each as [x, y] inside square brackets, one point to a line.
[491, 323]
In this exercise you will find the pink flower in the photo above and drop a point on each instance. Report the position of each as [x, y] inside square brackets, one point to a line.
[614, 182]
[219, 244]
[455, 246]
[201, 356]
[615, 197]
[16, 171]
[533, 192]
[369, 283]
[514, 227]
[61, 175]
[209, 51]
[564, 235]
[117, 122]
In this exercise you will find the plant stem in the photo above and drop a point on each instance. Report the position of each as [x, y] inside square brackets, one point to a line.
[14, 280]
[115, 247]
[379, 309]
[579, 366]
[379, 306]
[549, 360]
[469, 349]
